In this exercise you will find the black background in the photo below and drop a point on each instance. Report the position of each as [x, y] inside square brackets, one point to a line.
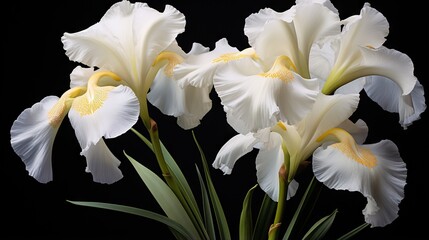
[34, 66]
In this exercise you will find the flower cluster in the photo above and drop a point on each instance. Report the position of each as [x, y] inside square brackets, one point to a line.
[289, 95]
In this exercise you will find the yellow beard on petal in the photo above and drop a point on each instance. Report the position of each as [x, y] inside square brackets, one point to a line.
[280, 69]
[228, 57]
[348, 147]
[56, 114]
[59, 110]
[87, 105]
[359, 154]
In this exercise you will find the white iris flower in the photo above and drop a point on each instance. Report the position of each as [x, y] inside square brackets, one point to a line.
[300, 141]
[358, 56]
[95, 112]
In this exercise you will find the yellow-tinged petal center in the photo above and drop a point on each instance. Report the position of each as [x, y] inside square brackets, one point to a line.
[281, 125]
[350, 148]
[88, 105]
[227, 57]
[172, 60]
[58, 111]
[359, 154]
[95, 96]
[281, 69]
[56, 114]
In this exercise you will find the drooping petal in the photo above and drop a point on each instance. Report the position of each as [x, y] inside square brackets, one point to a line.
[102, 164]
[189, 104]
[231, 151]
[388, 95]
[195, 110]
[127, 38]
[375, 170]
[268, 164]
[166, 95]
[33, 134]
[354, 86]
[103, 112]
[389, 63]
[361, 54]
[260, 99]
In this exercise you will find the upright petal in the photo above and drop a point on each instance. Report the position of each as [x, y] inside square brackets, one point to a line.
[102, 164]
[126, 40]
[295, 38]
[255, 23]
[199, 66]
[33, 134]
[328, 112]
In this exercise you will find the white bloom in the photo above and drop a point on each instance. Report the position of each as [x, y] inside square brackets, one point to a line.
[182, 87]
[356, 59]
[126, 41]
[288, 145]
[375, 170]
[95, 112]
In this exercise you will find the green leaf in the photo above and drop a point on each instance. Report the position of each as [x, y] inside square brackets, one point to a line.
[265, 218]
[179, 229]
[189, 202]
[143, 138]
[208, 217]
[353, 232]
[306, 201]
[221, 221]
[246, 220]
[321, 227]
[165, 197]
[182, 182]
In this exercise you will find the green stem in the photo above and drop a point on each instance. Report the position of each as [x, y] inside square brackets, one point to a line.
[144, 115]
[170, 179]
[283, 185]
[156, 144]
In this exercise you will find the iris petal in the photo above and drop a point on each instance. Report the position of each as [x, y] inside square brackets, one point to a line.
[231, 151]
[109, 113]
[32, 138]
[102, 164]
[380, 175]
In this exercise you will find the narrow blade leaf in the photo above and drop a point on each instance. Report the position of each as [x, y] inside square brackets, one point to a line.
[165, 197]
[265, 218]
[353, 232]
[179, 229]
[217, 206]
[246, 219]
[321, 227]
[208, 217]
[307, 201]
